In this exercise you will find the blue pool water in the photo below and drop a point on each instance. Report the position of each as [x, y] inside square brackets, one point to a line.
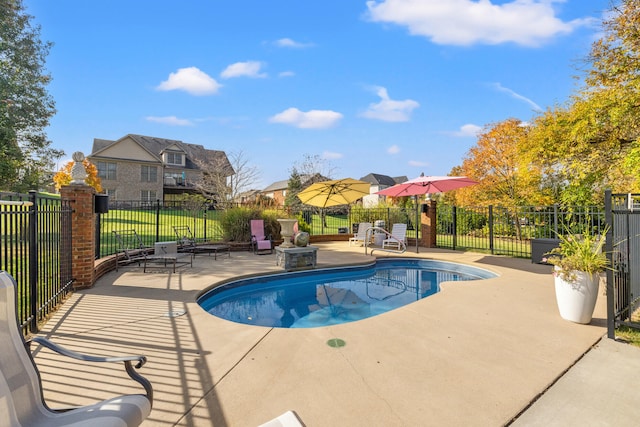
[314, 298]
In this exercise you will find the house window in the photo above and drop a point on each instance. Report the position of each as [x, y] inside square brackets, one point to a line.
[149, 174]
[107, 170]
[147, 195]
[174, 158]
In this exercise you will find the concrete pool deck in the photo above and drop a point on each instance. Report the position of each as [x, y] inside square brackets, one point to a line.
[475, 354]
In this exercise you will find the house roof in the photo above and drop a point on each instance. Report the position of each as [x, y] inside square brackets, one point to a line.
[304, 179]
[379, 179]
[278, 185]
[156, 146]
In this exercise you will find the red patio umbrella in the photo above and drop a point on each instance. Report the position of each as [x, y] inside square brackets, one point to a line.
[426, 185]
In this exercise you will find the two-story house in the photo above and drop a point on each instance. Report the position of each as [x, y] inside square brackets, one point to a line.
[378, 182]
[137, 167]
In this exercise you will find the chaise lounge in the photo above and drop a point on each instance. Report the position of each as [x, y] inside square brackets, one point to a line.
[259, 241]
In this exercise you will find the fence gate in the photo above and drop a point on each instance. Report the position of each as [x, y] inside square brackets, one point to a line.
[35, 248]
[623, 250]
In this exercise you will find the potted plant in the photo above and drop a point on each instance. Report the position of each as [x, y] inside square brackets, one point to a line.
[578, 263]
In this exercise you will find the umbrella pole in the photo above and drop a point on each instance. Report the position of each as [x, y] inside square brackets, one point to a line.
[417, 224]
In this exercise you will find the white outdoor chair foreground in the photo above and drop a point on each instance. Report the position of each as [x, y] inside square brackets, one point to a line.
[21, 399]
[398, 237]
[361, 234]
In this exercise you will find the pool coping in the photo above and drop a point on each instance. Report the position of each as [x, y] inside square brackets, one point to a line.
[473, 356]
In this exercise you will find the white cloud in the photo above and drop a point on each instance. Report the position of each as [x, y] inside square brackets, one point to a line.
[331, 156]
[515, 95]
[244, 69]
[394, 149]
[286, 74]
[169, 120]
[468, 22]
[313, 119]
[287, 42]
[468, 130]
[190, 80]
[389, 110]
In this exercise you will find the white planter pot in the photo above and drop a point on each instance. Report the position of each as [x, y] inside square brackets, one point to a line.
[577, 298]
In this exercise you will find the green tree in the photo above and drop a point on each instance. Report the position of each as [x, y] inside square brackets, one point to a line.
[25, 104]
[590, 144]
[294, 186]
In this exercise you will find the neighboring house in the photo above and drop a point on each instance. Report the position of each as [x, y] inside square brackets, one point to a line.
[247, 197]
[137, 167]
[379, 182]
[278, 190]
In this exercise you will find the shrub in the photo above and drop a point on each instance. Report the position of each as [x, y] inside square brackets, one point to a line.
[236, 224]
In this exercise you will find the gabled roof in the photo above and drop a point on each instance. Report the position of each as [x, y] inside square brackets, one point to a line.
[156, 146]
[400, 179]
[304, 179]
[278, 185]
[379, 179]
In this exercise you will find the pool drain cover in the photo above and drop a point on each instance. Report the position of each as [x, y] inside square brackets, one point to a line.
[336, 342]
[176, 313]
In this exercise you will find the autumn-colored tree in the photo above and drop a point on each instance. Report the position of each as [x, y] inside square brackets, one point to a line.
[571, 153]
[495, 162]
[613, 87]
[63, 177]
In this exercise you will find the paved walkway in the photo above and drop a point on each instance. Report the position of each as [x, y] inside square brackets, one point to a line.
[475, 354]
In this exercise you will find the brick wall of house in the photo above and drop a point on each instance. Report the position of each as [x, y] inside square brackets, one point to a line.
[128, 183]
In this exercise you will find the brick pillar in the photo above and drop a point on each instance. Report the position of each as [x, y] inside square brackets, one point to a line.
[428, 225]
[81, 199]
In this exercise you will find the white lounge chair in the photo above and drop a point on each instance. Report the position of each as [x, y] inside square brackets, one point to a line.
[398, 236]
[21, 399]
[361, 234]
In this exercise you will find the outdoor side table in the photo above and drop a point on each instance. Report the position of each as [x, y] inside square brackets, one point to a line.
[215, 249]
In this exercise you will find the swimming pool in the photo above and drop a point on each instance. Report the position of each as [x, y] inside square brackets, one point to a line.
[314, 298]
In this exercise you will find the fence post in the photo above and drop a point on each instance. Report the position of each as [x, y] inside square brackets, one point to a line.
[33, 261]
[491, 246]
[454, 220]
[608, 248]
[158, 220]
[428, 224]
[555, 221]
[83, 228]
[205, 215]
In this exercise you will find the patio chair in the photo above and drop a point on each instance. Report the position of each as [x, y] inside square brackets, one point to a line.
[131, 248]
[21, 397]
[398, 237]
[259, 241]
[361, 233]
[188, 243]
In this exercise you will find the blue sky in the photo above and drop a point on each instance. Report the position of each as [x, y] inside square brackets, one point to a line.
[395, 87]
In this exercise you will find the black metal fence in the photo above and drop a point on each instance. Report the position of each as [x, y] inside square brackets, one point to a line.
[623, 250]
[511, 231]
[154, 222]
[35, 242]
[492, 229]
